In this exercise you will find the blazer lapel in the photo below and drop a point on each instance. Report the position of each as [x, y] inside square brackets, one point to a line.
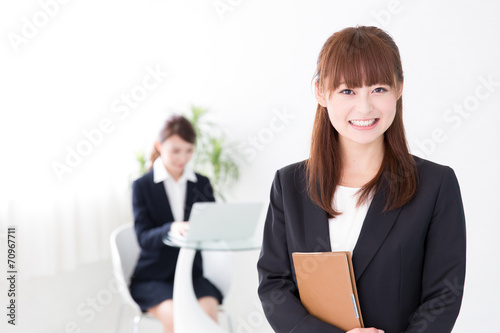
[376, 227]
[316, 229]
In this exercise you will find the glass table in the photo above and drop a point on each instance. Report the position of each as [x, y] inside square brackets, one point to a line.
[188, 315]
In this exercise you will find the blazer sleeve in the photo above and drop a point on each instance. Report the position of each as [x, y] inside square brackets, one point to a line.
[206, 192]
[444, 262]
[277, 290]
[149, 235]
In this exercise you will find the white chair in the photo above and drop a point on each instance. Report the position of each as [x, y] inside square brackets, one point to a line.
[125, 252]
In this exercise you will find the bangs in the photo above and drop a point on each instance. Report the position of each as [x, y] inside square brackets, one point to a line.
[359, 58]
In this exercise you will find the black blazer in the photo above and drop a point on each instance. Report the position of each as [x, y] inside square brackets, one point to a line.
[409, 263]
[153, 219]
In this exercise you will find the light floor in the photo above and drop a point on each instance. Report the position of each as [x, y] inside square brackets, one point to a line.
[85, 300]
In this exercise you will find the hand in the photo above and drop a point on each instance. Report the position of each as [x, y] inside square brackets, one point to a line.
[365, 330]
[180, 228]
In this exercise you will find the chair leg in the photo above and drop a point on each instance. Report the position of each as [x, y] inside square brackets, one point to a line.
[137, 321]
[230, 322]
[119, 318]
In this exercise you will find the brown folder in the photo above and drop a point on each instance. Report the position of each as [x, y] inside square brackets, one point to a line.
[327, 287]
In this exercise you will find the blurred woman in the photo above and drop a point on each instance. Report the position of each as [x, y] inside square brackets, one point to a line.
[162, 201]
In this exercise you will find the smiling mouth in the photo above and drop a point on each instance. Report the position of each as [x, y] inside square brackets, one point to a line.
[363, 123]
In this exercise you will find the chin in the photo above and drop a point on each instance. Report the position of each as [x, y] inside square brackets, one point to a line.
[366, 141]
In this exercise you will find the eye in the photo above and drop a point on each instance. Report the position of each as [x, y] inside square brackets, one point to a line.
[379, 90]
[347, 92]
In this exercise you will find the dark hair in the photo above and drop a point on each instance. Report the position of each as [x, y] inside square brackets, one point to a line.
[174, 125]
[359, 56]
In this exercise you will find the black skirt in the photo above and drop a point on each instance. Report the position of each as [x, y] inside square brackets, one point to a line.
[148, 294]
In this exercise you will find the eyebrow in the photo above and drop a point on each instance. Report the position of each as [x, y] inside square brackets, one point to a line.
[373, 85]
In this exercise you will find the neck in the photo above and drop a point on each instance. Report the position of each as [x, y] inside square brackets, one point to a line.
[175, 174]
[360, 163]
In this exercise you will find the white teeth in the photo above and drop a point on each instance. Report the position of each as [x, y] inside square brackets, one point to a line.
[362, 123]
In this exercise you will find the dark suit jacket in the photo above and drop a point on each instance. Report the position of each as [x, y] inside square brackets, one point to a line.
[153, 219]
[409, 263]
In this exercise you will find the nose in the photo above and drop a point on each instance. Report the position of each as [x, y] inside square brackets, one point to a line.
[365, 104]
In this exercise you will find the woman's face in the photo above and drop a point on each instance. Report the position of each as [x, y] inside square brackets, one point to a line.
[175, 153]
[361, 115]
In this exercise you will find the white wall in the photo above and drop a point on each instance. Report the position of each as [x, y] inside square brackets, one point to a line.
[247, 65]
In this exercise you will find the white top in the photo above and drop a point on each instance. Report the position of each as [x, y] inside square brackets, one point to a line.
[346, 227]
[176, 190]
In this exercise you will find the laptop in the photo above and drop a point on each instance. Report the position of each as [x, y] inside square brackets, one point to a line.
[213, 221]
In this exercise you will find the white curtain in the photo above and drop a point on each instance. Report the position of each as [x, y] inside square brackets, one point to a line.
[60, 230]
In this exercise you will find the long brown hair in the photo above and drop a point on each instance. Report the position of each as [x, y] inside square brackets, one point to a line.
[359, 56]
[174, 125]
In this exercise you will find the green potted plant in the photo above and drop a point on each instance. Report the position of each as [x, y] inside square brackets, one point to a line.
[215, 156]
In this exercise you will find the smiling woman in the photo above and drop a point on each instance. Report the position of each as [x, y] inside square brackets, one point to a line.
[361, 191]
[359, 82]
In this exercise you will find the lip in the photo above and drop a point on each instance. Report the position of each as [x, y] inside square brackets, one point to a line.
[364, 128]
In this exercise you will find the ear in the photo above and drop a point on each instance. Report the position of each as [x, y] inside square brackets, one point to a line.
[319, 95]
[400, 92]
[158, 146]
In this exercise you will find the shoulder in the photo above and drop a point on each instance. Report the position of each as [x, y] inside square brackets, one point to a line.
[294, 168]
[426, 166]
[431, 171]
[293, 175]
[203, 185]
[202, 190]
[434, 177]
[147, 177]
[144, 180]
[201, 180]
